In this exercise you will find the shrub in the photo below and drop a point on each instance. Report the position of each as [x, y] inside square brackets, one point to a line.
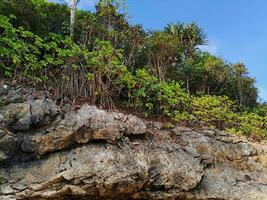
[104, 66]
[60, 65]
[173, 99]
[146, 93]
[250, 124]
[17, 48]
[140, 88]
[214, 110]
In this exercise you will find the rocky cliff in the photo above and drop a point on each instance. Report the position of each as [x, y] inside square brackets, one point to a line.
[88, 153]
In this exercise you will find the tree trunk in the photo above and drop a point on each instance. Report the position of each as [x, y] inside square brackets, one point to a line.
[72, 16]
[240, 91]
[187, 86]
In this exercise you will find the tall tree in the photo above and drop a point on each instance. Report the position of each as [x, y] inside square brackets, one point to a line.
[246, 93]
[190, 37]
[162, 52]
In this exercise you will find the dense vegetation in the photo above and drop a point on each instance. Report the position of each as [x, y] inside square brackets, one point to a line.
[112, 63]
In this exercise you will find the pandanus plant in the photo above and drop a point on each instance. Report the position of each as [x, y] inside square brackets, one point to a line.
[191, 36]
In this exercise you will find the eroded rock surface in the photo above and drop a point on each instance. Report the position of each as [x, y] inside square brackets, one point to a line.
[95, 154]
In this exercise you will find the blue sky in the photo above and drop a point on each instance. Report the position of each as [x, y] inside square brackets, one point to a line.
[237, 29]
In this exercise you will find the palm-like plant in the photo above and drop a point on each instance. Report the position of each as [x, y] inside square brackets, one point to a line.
[194, 37]
[191, 36]
[175, 29]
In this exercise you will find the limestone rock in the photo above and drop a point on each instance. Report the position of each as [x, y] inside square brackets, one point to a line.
[8, 143]
[96, 154]
[89, 124]
[9, 95]
[23, 116]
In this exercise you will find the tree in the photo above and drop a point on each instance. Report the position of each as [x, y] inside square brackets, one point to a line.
[243, 86]
[38, 16]
[214, 74]
[191, 36]
[162, 52]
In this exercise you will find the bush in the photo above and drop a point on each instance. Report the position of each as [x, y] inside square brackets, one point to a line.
[214, 110]
[104, 66]
[173, 99]
[24, 55]
[17, 48]
[146, 93]
[250, 124]
[60, 65]
[140, 88]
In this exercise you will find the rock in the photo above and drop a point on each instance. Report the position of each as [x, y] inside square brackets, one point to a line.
[96, 154]
[28, 146]
[168, 125]
[4, 89]
[158, 125]
[9, 95]
[2, 133]
[181, 129]
[89, 124]
[1, 118]
[3, 157]
[16, 116]
[43, 112]
[8, 145]
[22, 116]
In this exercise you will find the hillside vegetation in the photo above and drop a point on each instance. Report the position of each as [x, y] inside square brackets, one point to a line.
[111, 63]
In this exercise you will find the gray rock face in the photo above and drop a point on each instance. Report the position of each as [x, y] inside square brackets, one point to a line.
[9, 95]
[23, 116]
[96, 154]
[8, 143]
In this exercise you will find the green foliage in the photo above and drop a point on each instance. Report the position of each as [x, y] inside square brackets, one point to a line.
[59, 63]
[17, 48]
[162, 53]
[145, 93]
[260, 109]
[171, 54]
[172, 98]
[216, 111]
[104, 66]
[25, 55]
[37, 16]
[140, 89]
[110, 62]
[250, 124]
[190, 36]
